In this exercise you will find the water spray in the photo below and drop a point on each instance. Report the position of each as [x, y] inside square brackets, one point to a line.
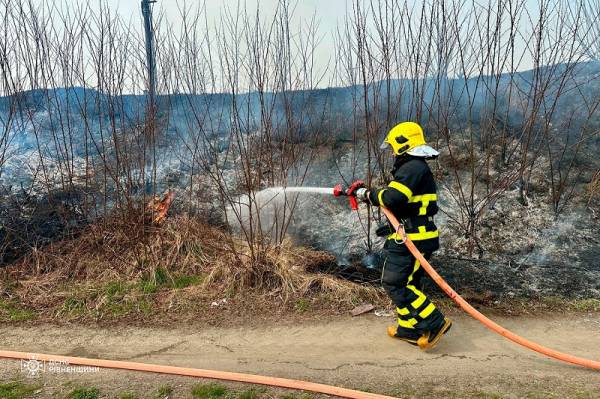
[337, 191]
[309, 190]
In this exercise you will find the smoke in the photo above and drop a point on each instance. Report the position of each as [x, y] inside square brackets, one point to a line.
[270, 212]
[309, 216]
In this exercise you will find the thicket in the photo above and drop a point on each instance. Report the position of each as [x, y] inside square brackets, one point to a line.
[238, 107]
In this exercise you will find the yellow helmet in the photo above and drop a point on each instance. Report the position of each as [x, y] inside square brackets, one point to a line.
[404, 137]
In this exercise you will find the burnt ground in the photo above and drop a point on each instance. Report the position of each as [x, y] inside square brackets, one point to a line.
[510, 280]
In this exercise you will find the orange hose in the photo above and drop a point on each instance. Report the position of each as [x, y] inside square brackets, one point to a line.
[305, 385]
[192, 372]
[592, 364]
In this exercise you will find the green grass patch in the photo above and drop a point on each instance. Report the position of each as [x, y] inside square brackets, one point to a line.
[128, 395]
[151, 283]
[302, 305]
[84, 393]
[186, 281]
[164, 391]
[586, 305]
[209, 391]
[251, 393]
[148, 287]
[116, 289]
[161, 276]
[16, 390]
[115, 299]
[21, 315]
[74, 305]
[11, 311]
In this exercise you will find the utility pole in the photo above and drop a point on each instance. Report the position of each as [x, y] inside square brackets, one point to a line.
[150, 57]
[150, 128]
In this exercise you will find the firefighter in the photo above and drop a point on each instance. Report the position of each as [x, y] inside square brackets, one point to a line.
[411, 197]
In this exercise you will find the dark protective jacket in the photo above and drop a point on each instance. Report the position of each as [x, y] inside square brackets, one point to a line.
[412, 198]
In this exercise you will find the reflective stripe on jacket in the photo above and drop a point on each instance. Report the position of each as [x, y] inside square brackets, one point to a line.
[412, 197]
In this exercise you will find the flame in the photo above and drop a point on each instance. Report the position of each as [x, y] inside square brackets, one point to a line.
[159, 208]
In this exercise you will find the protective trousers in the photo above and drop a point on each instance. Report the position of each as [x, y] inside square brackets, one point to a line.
[401, 277]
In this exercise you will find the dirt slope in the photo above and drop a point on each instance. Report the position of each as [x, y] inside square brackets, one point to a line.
[351, 352]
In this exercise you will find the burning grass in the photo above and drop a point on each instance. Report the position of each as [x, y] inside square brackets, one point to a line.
[121, 267]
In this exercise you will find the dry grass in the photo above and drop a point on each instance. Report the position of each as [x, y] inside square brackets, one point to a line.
[593, 188]
[120, 268]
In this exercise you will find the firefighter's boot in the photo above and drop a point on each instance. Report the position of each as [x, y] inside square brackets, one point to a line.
[430, 338]
[405, 334]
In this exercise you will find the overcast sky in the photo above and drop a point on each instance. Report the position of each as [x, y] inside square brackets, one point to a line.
[328, 14]
[327, 11]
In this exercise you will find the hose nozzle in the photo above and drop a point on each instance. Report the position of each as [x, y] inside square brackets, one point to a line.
[350, 192]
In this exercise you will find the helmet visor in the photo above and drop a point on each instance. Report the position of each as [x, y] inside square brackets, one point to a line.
[423, 151]
[384, 145]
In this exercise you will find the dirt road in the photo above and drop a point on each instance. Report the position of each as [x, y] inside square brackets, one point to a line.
[350, 352]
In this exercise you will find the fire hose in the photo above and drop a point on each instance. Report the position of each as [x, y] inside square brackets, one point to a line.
[592, 364]
[199, 373]
[305, 385]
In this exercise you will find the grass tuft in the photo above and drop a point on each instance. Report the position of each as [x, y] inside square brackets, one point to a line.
[10, 311]
[16, 390]
[186, 281]
[297, 396]
[164, 391]
[251, 393]
[84, 393]
[209, 391]
[302, 305]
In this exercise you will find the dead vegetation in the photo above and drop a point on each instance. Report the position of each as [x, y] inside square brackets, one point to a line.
[503, 143]
[125, 269]
[121, 267]
[593, 188]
